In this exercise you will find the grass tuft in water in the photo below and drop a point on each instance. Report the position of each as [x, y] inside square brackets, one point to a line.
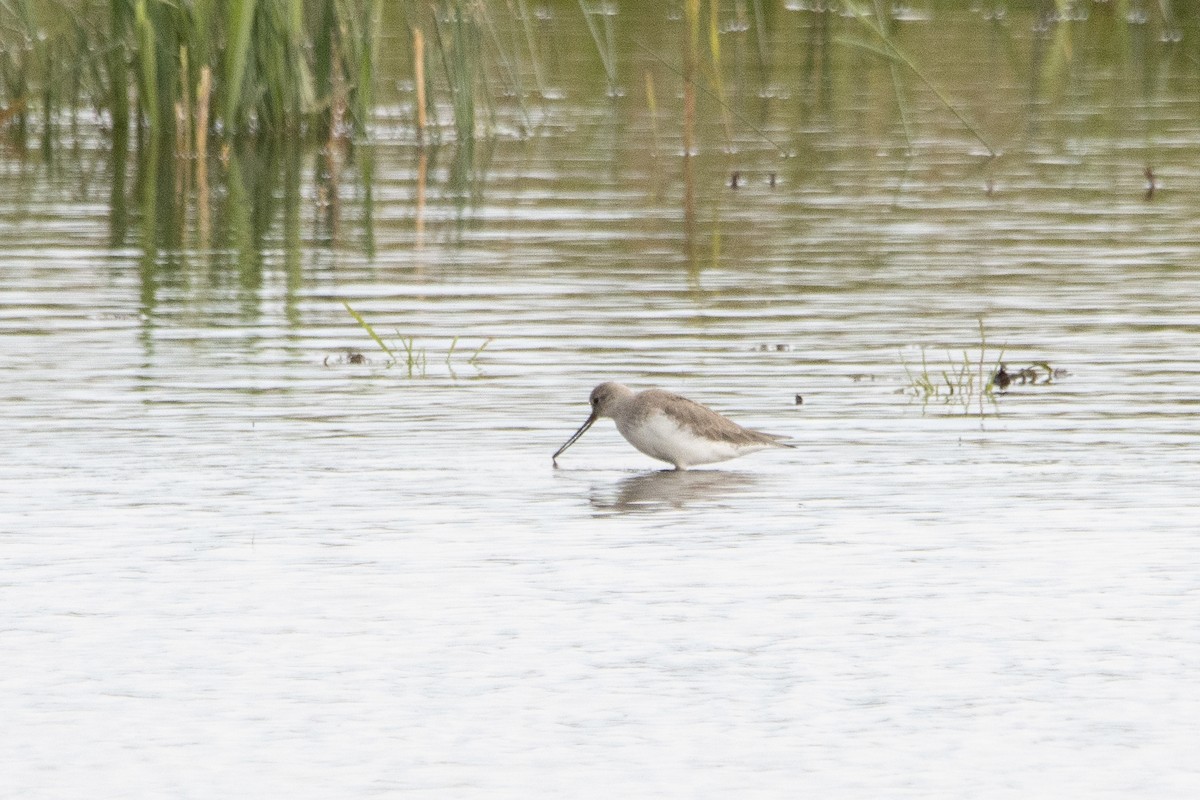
[414, 359]
[404, 351]
[967, 382]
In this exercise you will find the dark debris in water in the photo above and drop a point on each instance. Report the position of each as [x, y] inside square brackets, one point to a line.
[771, 348]
[1040, 373]
[737, 180]
[349, 357]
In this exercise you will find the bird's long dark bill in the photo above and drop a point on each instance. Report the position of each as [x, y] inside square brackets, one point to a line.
[583, 429]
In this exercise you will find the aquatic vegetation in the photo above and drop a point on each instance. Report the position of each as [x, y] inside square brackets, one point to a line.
[197, 69]
[202, 90]
[404, 352]
[604, 41]
[964, 382]
[276, 67]
[970, 381]
[474, 356]
[885, 45]
[458, 43]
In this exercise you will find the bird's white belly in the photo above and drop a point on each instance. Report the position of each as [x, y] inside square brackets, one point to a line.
[659, 436]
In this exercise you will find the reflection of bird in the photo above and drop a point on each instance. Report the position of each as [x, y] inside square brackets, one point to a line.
[672, 428]
[660, 490]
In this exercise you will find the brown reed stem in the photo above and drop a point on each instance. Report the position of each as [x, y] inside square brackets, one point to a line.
[652, 107]
[419, 80]
[203, 93]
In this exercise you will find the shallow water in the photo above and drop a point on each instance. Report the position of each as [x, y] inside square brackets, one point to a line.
[235, 564]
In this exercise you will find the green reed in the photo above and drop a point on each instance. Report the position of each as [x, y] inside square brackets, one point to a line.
[483, 56]
[525, 16]
[508, 57]
[280, 67]
[605, 43]
[884, 44]
[192, 71]
[458, 42]
[717, 80]
[276, 66]
[21, 64]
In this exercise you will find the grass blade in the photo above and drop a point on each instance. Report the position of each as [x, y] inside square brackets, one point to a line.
[366, 326]
[240, 23]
